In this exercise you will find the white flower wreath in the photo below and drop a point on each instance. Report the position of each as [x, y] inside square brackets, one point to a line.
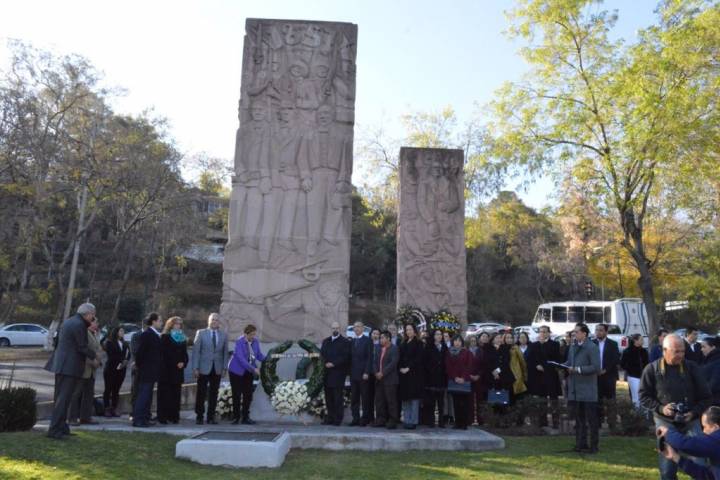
[290, 398]
[224, 402]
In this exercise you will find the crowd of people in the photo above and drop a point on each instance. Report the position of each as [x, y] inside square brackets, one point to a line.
[410, 378]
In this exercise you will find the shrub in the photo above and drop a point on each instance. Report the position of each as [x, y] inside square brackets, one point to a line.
[633, 421]
[17, 409]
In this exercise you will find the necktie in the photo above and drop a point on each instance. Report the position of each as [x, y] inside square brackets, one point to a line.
[214, 340]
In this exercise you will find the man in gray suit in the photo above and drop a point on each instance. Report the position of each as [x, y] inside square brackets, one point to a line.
[385, 363]
[69, 365]
[583, 366]
[209, 362]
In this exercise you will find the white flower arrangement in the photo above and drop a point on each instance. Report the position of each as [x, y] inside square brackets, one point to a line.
[290, 398]
[224, 402]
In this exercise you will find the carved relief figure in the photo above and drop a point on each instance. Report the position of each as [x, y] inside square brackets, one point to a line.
[431, 252]
[289, 225]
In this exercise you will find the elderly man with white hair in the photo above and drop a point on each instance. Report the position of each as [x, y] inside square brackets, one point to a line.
[677, 394]
[209, 361]
[68, 364]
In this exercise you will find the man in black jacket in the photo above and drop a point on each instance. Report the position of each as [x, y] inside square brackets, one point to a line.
[148, 359]
[69, 364]
[335, 352]
[361, 351]
[608, 377]
[693, 349]
[667, 383]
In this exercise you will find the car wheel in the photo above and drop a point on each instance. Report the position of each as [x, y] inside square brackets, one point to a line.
[4, 342]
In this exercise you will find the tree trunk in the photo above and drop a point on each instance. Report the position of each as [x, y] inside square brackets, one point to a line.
[634, 243]
[646, 287]
[121, 293]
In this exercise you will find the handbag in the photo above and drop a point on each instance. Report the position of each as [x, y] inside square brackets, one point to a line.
[454, 387]
[498, 397]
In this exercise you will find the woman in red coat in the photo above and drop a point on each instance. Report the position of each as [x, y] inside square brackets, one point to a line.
[459, 366]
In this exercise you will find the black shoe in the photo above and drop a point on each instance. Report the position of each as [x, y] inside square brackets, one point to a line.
[199, 421]
[391, 426]
[354, 423]
[140, 425]
[151, 423]
[364, 423]
[581, 449]
[592, 450]
[378, 425]
[56, 436]
[162, 422]
[211, 421]
[247, 421]
[235, 421]
[174, 422]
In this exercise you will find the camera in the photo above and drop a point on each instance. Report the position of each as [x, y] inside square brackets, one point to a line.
[679, 411]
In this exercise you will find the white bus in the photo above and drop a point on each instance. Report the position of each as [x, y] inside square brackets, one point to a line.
[625, 316]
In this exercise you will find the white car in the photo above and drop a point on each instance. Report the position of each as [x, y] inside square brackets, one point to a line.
[22, 334]
[478, 328]
[532, 332]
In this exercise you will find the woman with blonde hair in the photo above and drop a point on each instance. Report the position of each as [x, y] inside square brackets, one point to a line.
[173, 345]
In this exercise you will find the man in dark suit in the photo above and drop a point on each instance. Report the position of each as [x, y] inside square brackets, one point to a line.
[693, 350]
[69, 364]
[385, 369]
[360, 367]
[335, 352]
[608, 377]
[148, 359]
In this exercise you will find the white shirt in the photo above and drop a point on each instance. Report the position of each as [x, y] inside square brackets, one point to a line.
[601, 344]
[156, 332]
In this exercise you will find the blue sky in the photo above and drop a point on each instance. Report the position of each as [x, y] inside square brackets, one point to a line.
[182, 58]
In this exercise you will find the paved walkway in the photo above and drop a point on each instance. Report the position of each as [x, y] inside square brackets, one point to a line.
[321, 436]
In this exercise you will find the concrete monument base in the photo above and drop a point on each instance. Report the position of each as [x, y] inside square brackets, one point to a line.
[235, 449]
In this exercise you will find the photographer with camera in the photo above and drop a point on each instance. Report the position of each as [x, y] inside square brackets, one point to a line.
[672, 443]
[676, 392]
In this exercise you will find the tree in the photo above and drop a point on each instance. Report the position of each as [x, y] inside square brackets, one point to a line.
[625, 119]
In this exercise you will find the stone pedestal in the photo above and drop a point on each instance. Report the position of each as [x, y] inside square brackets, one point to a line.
[431, 271]
[287, 259]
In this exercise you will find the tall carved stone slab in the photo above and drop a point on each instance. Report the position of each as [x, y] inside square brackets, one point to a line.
[431, 231]
[287, 258]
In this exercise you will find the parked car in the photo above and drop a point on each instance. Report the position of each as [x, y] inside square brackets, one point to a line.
[532, 332]
[478, 328]
[350, 333]
[22, 334]
[701, 335]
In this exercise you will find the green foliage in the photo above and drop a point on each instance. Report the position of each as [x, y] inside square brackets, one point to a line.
[131, 310]
[636, 124]
[372, 250]
[17, 409]
[515, 259]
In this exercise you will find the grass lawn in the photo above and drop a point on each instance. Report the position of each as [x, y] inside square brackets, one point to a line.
[102, 455]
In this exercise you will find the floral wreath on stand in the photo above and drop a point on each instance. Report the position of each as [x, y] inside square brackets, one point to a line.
[445, 321]
[293, 397]
[411, 314]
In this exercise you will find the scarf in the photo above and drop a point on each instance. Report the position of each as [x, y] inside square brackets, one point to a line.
[454, 351]
[177, 335]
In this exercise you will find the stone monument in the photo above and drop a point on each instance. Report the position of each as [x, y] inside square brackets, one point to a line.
[287, 258]
[431, 231]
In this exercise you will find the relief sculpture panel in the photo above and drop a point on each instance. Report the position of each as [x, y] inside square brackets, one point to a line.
[431, 272]
[287, 258]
